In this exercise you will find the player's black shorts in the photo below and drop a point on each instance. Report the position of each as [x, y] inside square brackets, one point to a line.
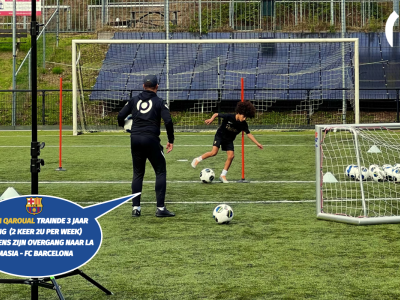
[226, 145]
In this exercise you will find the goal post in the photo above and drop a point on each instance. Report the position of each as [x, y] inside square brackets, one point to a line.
[206, 72]
[358, 173]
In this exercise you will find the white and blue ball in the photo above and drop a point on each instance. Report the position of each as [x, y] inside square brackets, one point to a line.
[378, 175]
[396, 175]
[371, 169]
[385, 166]
[223, 214]
[128, 123]
[355, 173]
[388, 169]
[207, 175]
[364, 173]
[348, 170]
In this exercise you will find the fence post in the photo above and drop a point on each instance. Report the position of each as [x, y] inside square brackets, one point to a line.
[308, 103]
[219, 105]
[43, 107]
[104, 12]
[397, 108]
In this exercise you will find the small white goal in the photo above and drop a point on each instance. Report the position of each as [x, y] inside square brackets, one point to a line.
[358, 173]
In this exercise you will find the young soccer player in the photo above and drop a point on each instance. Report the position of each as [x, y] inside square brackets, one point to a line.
[231, 126]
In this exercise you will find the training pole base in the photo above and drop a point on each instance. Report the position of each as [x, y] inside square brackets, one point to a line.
[243, 181]
[60, 169]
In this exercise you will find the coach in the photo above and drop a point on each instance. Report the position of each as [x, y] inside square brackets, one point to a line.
[147, 109]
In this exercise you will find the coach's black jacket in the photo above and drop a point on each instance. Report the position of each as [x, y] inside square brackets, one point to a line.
[147, 109]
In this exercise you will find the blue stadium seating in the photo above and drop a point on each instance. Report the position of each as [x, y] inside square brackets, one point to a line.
[192, 70]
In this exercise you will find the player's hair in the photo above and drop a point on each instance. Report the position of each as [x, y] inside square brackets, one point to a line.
[246, 108]
[148, 86]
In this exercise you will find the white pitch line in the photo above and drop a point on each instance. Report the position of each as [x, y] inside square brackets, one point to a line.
[119, 146]
[128, 182]
[124, 136]
[214, 202]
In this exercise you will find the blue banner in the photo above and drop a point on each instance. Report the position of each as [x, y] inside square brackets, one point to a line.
[43, 236]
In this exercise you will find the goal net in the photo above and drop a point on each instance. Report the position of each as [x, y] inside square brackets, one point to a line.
[288, 80]
[358, 173]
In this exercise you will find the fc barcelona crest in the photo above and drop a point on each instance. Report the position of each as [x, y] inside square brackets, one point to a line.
[34, 205]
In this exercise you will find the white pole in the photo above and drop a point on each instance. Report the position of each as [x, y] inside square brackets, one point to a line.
[218, 80]
[58, 23]
[14, 81]
[231, 14]
[364, 206]
[318, 168]
[29, 70]
[301, 11]
[166, 18]
[200, 17]
[74, 91]
[356, 83]
[44, 43]
[344, 101]
[104, 12]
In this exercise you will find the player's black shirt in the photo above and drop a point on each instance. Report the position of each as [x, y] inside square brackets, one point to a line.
[147, 110]
[230, 128]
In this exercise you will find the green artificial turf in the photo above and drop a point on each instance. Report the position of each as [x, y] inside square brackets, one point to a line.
[274, 248]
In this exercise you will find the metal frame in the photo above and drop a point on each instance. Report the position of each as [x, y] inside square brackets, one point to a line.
[212, 41]
[319, 129]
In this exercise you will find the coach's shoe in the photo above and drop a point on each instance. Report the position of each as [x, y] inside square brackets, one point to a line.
[164, 213]
[195, 162]
[135, 213]
[223, 179]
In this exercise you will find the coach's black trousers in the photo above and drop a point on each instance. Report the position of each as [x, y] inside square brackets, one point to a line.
[145, 147]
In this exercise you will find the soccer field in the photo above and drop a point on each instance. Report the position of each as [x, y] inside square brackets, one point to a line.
[274, 248]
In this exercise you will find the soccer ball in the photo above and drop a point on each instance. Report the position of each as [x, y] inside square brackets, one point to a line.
[388, 169]
[207, 175]
[353, 172]
[348, 170]
[371, 170]
[378, 175]
[128, 123]
[364, 173]
[223, 214]
[396, 174]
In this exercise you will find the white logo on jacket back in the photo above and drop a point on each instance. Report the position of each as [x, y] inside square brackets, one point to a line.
[144, 107]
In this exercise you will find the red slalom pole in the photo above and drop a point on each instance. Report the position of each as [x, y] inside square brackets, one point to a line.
[242, 100]
[60, 168]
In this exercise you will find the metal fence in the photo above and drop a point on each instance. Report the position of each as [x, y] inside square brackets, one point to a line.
[214, 15]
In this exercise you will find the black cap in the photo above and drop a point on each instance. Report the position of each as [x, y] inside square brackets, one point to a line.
[150, 81]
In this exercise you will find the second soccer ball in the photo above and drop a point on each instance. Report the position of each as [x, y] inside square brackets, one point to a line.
[207, 175]
[223, 214]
